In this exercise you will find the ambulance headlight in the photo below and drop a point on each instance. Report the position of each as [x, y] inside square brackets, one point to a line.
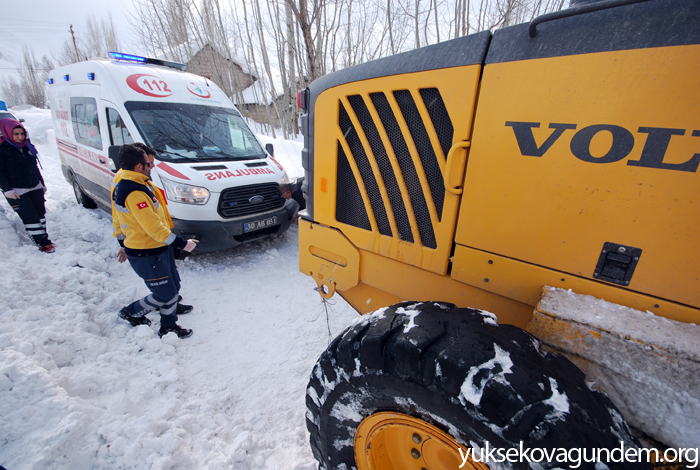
[283, 188]
[184, 193]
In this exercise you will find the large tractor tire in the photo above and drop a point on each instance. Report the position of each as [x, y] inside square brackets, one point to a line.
[416, 385]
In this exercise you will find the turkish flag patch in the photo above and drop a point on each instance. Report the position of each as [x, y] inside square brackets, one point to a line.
[142, 205]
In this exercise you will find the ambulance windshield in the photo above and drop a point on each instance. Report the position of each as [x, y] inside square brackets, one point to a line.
[193, 133]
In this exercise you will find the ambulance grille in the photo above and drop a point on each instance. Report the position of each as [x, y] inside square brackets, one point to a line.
[235, 202]
[399, 181]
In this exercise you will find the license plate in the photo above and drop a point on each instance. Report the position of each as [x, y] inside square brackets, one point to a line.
[258, 224]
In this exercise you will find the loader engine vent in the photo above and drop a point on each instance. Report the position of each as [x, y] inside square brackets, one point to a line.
[441, 120]
[425, 148]
[349, 206]
[365, 169]
[382, 159]
[400, 182]
[236, 202]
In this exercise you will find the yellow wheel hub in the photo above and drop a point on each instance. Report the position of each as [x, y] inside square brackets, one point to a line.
[395, 441]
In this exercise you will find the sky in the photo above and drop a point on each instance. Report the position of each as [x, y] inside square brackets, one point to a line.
[44, 25]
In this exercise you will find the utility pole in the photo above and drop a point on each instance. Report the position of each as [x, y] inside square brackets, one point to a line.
[74, 44]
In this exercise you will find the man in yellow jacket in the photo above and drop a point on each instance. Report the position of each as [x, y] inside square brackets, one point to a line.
[121, 254]
[142, 226]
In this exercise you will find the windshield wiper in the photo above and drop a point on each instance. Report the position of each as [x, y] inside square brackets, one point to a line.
[211, 156]
[224, 156]
[179, 156]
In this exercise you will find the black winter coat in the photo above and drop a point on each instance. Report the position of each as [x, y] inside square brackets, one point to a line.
[18, 168]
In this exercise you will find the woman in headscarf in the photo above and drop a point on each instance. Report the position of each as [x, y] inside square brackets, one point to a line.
[21, 181]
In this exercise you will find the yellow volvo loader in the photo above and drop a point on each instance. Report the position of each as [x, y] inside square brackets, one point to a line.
[497, 200]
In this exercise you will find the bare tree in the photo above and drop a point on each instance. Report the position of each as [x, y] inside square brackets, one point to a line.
[266, 61]
[12, 92]
[465, 17]
[32, 77]
[66, 53]
[285, 43]
[99, 38]
[306, 21]
[291, 81]
[437, 22]
[163, 27]
[349, 35]
[417, 25]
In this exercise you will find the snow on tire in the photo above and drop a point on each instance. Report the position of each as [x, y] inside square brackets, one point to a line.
[460, 371]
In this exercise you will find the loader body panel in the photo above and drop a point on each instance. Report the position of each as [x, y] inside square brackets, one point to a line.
[572, 152]
[567, 159]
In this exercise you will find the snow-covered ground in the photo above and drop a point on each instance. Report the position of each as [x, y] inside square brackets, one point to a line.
[81, 389]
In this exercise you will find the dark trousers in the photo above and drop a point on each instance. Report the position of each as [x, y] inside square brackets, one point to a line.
[30, 208]
[162, 279]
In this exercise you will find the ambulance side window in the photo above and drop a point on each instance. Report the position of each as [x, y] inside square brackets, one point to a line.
[118, 133]
[86, 125]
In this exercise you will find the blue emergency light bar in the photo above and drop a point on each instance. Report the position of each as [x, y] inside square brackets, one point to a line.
[50, 81]
[91, 76]
[66, 77]
[146, 60]
[120, 56]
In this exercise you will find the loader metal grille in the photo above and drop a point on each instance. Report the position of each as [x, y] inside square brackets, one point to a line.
[382, 159]
[365, 169]
[425, 147]
[236, 202]
[438, 114]
[391, 176]
[349, 207]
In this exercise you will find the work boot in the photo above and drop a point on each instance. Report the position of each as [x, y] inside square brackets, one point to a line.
[177, 329]
[134, 321]
[50, 248]
[183, 309]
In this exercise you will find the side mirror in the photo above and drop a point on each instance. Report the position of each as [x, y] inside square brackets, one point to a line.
[21, 120]
[270, 149]
[113, 153]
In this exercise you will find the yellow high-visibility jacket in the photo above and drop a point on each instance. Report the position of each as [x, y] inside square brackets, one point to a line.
[139, 215]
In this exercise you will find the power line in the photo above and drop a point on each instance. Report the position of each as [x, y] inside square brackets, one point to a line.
[25, 32]
[41, 36]
[35, 27]
[24, 20]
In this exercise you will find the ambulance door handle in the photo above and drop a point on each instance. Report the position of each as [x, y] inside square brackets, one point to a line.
[448, 167]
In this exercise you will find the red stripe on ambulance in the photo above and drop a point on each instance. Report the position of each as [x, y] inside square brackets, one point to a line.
[171, 171]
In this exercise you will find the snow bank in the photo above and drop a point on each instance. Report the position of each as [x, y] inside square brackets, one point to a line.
[81, 389]
[649, 366]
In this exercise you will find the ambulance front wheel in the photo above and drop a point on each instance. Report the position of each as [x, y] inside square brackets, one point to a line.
[418, 385]
[81, 197]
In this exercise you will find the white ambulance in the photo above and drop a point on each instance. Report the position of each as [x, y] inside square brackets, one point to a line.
[221, 186]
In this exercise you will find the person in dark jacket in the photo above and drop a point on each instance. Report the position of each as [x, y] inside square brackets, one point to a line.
[21, 181]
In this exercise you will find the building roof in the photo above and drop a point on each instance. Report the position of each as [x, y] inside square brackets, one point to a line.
[180, 52]
[257, 93]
